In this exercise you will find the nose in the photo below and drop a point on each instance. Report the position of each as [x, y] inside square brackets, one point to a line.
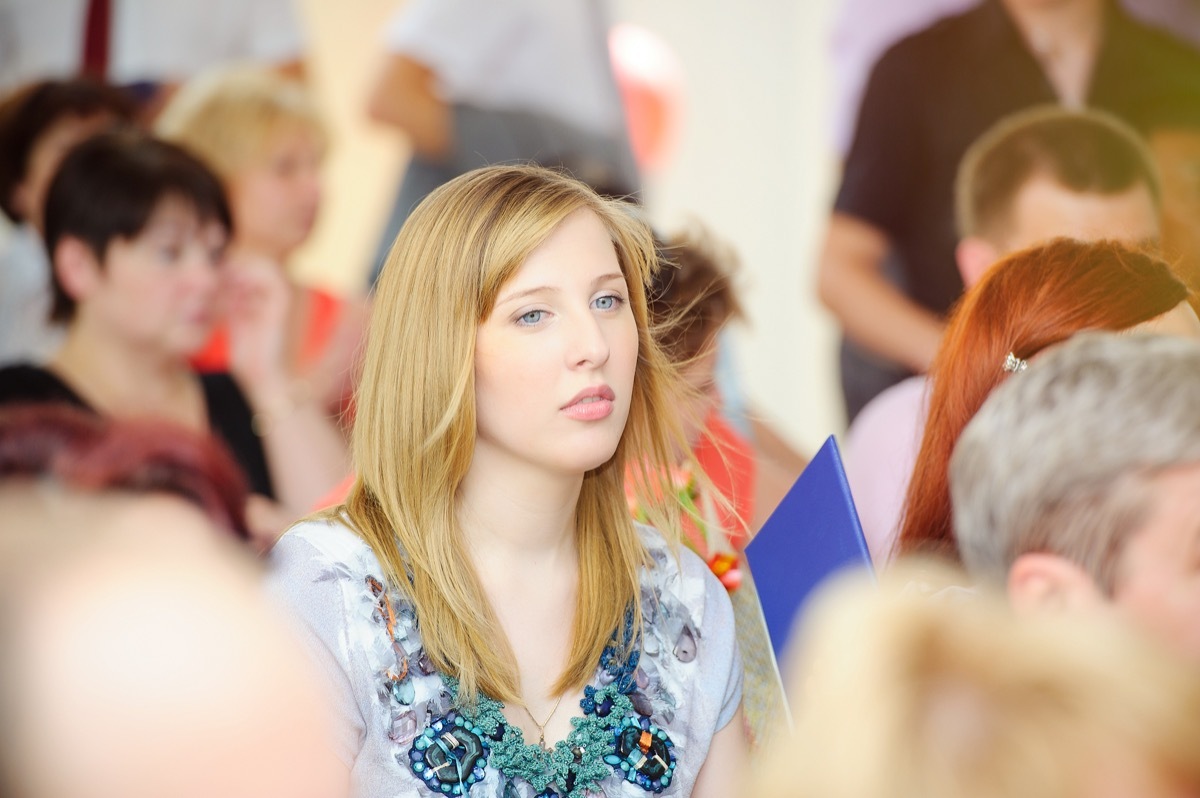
[309, 184]
[589, 346]
[204, 273]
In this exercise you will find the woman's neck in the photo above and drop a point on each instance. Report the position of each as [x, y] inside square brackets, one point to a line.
[120, 380]
[518, 513]
[281, 257]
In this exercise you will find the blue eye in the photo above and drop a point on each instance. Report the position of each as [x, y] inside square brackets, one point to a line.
[531, 318]
[608, 302]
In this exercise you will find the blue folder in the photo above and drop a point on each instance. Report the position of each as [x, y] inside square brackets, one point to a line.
[813, 534]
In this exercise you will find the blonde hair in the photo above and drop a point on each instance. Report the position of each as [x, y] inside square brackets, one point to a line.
[908, 694]
[414, 431]
[227, 117]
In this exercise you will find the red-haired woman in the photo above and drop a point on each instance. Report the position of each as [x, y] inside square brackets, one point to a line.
[1030, 300]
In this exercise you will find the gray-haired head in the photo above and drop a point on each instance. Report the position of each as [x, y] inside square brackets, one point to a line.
[1059, 458]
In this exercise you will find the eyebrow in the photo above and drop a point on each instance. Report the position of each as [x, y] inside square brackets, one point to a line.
[604, 278]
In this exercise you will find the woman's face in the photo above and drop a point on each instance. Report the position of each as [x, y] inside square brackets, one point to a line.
[158, 290]
[275, 199]
[700, 376]
[555, 360]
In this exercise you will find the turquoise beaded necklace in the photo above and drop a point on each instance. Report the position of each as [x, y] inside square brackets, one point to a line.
[573, 767]
[610, 736]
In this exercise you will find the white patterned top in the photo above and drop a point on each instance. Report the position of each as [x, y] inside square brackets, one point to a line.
[687, 683]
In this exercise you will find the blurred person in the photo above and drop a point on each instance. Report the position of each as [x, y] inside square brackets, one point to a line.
[139, 657]
[137, 229]
[263, 135]
[864, 29]
[492, 619]
[690, 301]
[898, 695]
[929, 97]
[75, 447]
[145, 46]
[39, 124]
[1107, 514]
[1029, 301]
[1035, 175]
[472, 83]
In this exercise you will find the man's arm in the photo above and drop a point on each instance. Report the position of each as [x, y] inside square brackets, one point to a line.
[871, 310]
[405, 96]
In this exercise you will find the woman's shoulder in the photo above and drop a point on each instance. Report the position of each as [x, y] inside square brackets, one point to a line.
[328, 546]
[26, 382]
[678, 577]
[669, 561]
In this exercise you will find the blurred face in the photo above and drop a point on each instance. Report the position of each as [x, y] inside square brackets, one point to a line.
[275, 200]
[158, 290]
[700, 375]
[1158, 578]
[196, 688]
[1043, 209]
[47, 153]
[554, 362]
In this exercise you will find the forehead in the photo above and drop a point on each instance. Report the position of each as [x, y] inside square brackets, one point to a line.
[283, 136]
[579, 249]
[175, 214]
[1044, 209]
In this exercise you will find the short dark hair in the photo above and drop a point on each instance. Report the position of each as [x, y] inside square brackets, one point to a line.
[110, 185]
[27, 113]
[1084, 151]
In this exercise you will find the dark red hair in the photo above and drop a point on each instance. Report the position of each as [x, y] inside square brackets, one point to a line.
[1026, 302]
[83, 451]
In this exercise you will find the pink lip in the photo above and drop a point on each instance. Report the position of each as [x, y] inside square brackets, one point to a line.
[591, 404]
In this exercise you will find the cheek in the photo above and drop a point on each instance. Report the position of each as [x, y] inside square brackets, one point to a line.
[625, 345]
[1161, 597]
[502, 378]
[255, 200]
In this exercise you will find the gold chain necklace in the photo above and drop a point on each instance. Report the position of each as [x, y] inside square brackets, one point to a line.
[541, 727]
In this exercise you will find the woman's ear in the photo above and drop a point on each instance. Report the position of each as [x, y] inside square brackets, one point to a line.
[1039, 581]
[77, 267]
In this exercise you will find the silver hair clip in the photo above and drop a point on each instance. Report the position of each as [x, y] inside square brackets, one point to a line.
[1014, 364]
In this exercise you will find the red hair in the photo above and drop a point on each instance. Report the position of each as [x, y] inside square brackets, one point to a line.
[85, 452]
[1026, 302]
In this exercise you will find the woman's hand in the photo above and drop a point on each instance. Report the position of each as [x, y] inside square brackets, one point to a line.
[259, 297]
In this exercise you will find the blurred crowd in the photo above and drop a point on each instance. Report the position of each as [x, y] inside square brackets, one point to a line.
[259, 538]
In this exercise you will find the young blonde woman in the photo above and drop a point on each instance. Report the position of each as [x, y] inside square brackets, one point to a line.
[493, 621]
[263, 135]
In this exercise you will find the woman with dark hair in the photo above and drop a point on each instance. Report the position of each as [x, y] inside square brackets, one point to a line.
[1028, 301]
[137, 230]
